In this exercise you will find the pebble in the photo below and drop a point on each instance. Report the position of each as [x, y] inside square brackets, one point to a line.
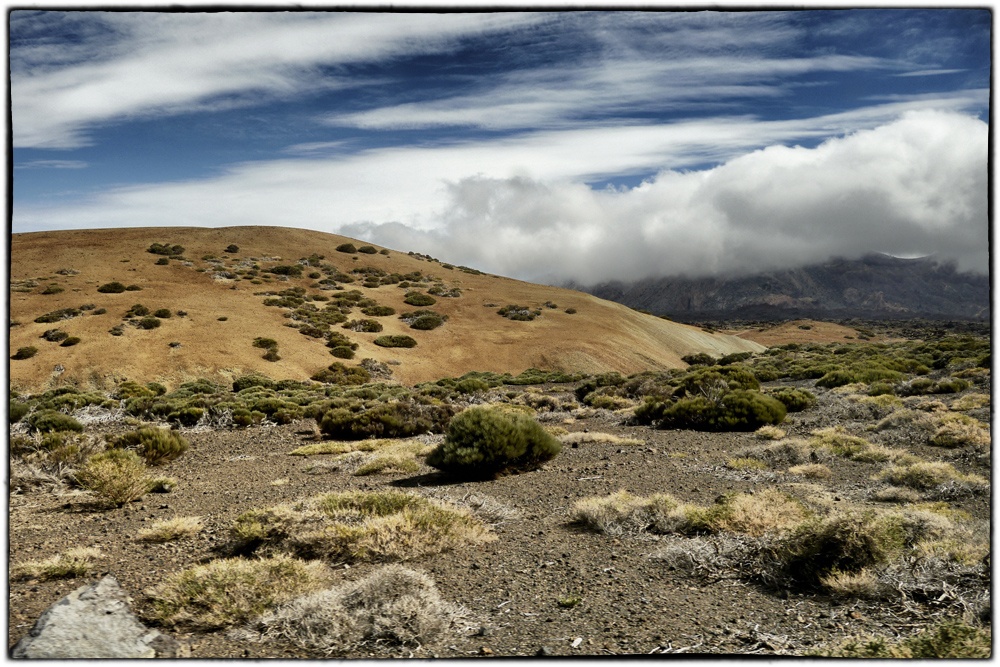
[543, 651]
[485, 651]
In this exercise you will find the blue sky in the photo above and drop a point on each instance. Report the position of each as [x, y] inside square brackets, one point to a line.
[548, 145]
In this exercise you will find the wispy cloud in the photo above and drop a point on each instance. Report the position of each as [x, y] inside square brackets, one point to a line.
[156, 63]
[52, 164]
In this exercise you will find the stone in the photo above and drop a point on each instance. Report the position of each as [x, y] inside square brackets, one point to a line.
[95, 621]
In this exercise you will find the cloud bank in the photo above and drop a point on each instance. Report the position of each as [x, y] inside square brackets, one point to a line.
[912, 187]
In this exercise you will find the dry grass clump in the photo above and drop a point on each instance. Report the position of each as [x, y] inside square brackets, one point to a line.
[926, 475]
[785, 452]
[838, 442]
[751, 514]
[487, 509]
[811, 471]
[116, 477]
[900, 495]
[863, 584]
[388, 463]
[168, 530]
[393, 606]
[581, 438]
[359, 526]
[746, 463]
[898, 419]
[66, 565]
[950, 639]
[232, 591]
[769, 432]
[971, 402]
[957, 430]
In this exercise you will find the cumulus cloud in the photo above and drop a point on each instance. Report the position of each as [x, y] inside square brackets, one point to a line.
[911, 187]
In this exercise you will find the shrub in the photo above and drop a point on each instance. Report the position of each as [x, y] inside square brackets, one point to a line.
[738, 410]
[66, 565]
[427, 322]
[148, 322]
[700, 359]
[271, 355]
[368, 250]
[378, 311]
[571, 311]
[138, 310]
[58, 315]
[358, 526]
[26, 352]
[116, 476]
[293, 270]
[483, 442]
[794, 400]
[419, 299]
[165, 249]
[162, 313]
[265, 343]
[233, 591]
[133, 288]
[347, 247]
[385, 420]
[70, 341]
[154, 445]
[518, 313]
[392, 606]
[49, 421]
[364, 326]
[232, 249]
[949, 639]
[111, 288]
[926, 475]
[163, 261]
[52, 289]
[168, 530]
[395, 341]
[17, 410]
[338, 373]
[342, 352]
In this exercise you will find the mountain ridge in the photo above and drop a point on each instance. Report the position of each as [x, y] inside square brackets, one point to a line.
[876, 285]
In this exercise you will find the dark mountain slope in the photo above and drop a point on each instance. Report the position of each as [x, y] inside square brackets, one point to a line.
[873, 286]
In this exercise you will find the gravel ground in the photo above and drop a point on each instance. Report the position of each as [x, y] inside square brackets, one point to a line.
[629, 602]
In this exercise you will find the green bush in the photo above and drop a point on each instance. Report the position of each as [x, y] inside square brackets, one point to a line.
[232, 249]
[58, 315]
[949, 639]
[163, 261]
[293, 270]
[471, 386]
[839, 378]
[138, 310]
[338, 373]
[52, 289]
[794, 400]
[165, 249]
[385, 420]
[342, 352]
[347, 247]
[419, 299]
[17, 410]
[148, 322]
[700, 359]
[48, 421]
[69, 342]
[364, 326]
[368, 250]
[265, 343]
[162, 313]
[738, 410]
[111, 288]
[483, 442]
[427, 322]
[26, 352]
[252, 380]
[54, 335]
[518, 313]
[378, 311]
[395, 341]
[133, 288]
[154, 445]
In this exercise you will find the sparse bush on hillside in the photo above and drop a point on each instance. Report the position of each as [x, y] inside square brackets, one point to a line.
[54, 335]
[232, 249]
[162, 313]
[133, 288]
[148, 322]
[347, 247]
[69, 564]
[111, 288]
[70, 341]
[165, 249]
[952, 639]
[518, 313]
[738, 410]
[419, 299]
[292, 270]
[363, 326]
[700, 359]
[483, 442]
[794, 400]
[378, 311]
[58, 315]
[138, 310]
[342, 352]
[338, 373]
[368, 250]
[395, 341]
[52, 289]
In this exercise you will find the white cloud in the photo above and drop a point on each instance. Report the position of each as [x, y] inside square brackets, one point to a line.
[519, 206]
[167, 63]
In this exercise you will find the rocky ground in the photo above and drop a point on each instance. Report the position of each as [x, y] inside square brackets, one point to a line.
[629, 601]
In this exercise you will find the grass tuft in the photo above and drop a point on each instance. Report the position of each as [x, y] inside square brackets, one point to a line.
[66, 565]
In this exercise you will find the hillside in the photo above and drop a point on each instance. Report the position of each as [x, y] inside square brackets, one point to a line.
[216, 302]
[875, 286]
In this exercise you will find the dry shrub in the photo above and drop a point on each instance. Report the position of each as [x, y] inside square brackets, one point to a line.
[487, 509]
[950, 639]
[393, 606]
[838, 442]
[971, 402]
[898, 419]
[581, 438]
[746, 463]
[116, 476]
[231, 591]
[896, 494]
[926, 475]
[958, 430]
[746, 513]
[359, 526]
[168, 530]
[388, 463]
[811, 471]
[66, 565]
[863, 584]
[769, 432]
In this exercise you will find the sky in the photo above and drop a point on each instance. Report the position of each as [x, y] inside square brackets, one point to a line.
[551, 146]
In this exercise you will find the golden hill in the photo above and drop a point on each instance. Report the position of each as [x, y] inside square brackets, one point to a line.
[214, 338]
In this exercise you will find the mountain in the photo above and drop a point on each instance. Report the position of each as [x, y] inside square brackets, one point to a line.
[875, 286]
[215, 300]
